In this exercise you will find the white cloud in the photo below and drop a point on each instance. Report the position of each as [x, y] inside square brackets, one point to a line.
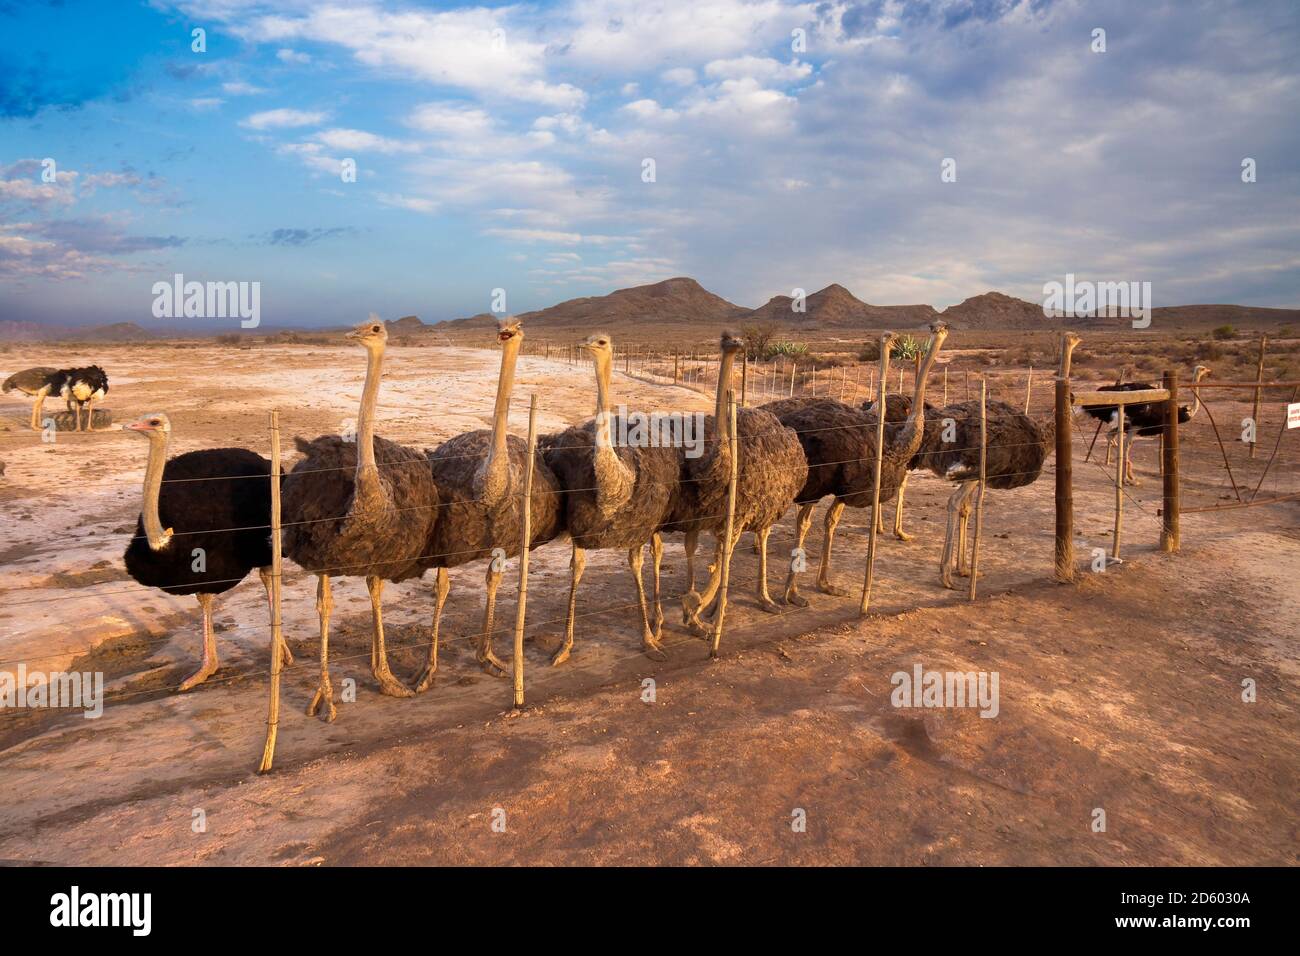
[205, 103]
[359, 141]
[762, 68]
[240, 88]
[679, 76]
[285, 55]
[648, 110]
[413, 203]
[460, 122]
[284, 119]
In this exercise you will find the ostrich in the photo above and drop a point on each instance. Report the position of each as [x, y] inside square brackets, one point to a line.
[613, 497]
[1017, 447]
[897, 410]
[207, 509]
[840, 443]
[360, 508]
[79, 388]
[1140, 421]
[480, 477]
[770, 470]
[31, 381]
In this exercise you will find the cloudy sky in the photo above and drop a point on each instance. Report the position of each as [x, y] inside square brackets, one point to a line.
[506, 146]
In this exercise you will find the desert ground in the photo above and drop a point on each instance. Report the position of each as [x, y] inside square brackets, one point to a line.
[1122, 692]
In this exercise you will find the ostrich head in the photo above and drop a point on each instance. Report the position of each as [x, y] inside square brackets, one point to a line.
[150, 425]
[509, 328]
[1200, 372]
[732, 342]
[599, 344]
[372, 333]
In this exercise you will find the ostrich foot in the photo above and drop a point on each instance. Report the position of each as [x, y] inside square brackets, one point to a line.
[653, 649]
[793, 597]
[903, 535]
[206, 670]
[390, 686]
[286, 655]
[562, 655]
[690, 606]
[833, 589]
[946, 577]
[425, 680]
[492, 664]
[768, 605]
[324, 695]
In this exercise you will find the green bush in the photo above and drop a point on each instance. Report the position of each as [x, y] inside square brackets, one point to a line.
[1224, 332]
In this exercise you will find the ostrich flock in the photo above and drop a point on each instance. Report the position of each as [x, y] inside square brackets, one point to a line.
[364, 506]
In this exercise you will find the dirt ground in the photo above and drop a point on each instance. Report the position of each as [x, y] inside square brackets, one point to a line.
[1122, 693]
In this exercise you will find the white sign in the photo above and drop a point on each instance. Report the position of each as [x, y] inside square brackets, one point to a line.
[1293, 415]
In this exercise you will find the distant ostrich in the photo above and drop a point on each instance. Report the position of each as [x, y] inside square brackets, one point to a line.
[614, 497]
[1017, 447]
[840, 443]
[207, 509]
[34, 382]
[360, 508]
[480, 479]
[1145, 420]
[79, 388]
[770, 470]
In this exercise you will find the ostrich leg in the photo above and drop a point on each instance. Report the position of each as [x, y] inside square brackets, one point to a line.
[963, 554]
[441, 588]
[487, 657]
[824, 585]
[209, 665]
[1128, 464]
[657, 554]
[635, 562]
[954, 537]
[695, 605]
[689, 543]
[37, 406]
[577, 564]
[286, 657]
[764, 598]
[802, 523]
[324, 691]
[899, 533]
[388, 684]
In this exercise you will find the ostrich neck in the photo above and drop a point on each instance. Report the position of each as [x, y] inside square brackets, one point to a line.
[614, 480]
[1067, 351]
[909, 442]
[721, 418]
[153, 473]
[1196, 399]
[496, 467]
[367, 478]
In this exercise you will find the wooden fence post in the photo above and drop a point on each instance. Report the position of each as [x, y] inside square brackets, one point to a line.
[886, 343]
[277, 638]
[1169, 532]
[1259, 377]
[1029, 389]
[1119, 481]
[525, 534]
[676, 365]
[729, 534]
[744, 378]
[1064, 485]
[979, 503]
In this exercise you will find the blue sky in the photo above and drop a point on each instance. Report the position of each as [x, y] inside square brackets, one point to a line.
[503, 146]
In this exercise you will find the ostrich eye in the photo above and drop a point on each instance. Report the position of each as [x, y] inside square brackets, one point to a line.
[374, 328]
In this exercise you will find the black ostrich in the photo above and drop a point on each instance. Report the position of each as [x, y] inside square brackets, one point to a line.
[79, 388]
[614, 497]
[1145, 420]
[897, 410]
[362, 508]
[209, 510]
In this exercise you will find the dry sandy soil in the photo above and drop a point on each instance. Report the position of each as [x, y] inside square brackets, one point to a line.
[1122, 693]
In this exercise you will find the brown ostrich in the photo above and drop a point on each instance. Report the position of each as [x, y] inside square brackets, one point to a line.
[1017, 447]
[34, 382]
[480, 477]
[360, 508]
[897, 410]
[840, 444]
[614, 497]
[770, 470]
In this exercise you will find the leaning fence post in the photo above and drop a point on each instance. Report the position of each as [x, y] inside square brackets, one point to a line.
[886, 343]
[1169, 532]
[1029, 388]
[1259, 377]
[277, 638]
[744, 377]
[979, 503]
[1064, 485]
[727, 539]
[525, 538]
